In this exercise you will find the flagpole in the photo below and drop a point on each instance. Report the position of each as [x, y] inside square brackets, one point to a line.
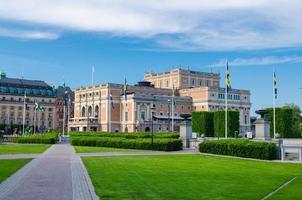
[68, 117]
[35, 119]
[226, 106]
[92, 76]
[109, 113]
[172, 104]
[24, 109]
[274, 103]
[64, 112]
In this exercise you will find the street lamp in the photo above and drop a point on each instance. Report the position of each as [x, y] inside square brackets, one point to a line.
[152, 129]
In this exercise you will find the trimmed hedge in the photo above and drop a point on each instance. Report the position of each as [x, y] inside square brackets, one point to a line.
[126, 135]
[240, 148]
[203, 123]
[141, 143]
[219, 123]
[48, 138]
[287, 125]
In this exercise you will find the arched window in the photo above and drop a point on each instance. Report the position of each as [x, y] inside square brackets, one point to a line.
[89, 111]
[83, 112]
[96, 111]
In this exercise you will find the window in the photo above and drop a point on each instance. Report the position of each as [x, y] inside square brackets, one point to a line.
[200, 83]
[245, 119]
[97, 111]
[83, 112]
[89, 111]
[208, 83]
[143, 115]
[126, 116]
[193, 82]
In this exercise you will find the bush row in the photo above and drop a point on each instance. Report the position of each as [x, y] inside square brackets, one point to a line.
[48, 138]
[126, 135]
[213, 123]
[240, 148]
[163, 144]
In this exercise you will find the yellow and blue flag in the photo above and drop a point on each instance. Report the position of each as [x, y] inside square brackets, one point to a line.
[228, 79]
[125, 90]
[275, 86]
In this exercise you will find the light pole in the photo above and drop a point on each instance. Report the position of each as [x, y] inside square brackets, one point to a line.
[152, 128]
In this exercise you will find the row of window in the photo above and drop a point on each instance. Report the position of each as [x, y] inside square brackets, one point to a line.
[27, 122]
[22, 99]
[20, 108]
[230, 96]
[20, 91]
[90, 94]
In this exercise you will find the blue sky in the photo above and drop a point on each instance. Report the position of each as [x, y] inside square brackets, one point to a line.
[63, 40]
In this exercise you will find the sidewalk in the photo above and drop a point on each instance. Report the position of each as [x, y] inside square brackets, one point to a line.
[57, 174]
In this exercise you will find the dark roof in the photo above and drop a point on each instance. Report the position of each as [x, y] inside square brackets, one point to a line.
[60, 92]
[23, 83]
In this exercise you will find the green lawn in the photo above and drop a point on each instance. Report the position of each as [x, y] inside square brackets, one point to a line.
[189, 177]
[8, 167]
[84, 149]
[23, 148]
[292, 191]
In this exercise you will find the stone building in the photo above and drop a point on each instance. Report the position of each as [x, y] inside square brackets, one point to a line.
[62, 93]
[205, 91]
[104, 107]
[12, 103]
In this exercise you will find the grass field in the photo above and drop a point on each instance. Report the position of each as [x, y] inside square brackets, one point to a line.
[190, 177]
[84, 149]
[22, 148]
[8, 167]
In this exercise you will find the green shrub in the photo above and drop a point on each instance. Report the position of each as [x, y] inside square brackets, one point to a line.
[219, 123]
[203, 123]
[126, 135]
[287, 125]
[48, 138]
[240, 148]
[160, 144]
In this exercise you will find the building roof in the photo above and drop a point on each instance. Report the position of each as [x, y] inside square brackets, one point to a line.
[23, 83]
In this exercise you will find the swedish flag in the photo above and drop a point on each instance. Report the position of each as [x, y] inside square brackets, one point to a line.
[275, 86]
[125, 89]
[228, 79]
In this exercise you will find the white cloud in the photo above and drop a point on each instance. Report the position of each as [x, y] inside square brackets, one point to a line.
[268, 60]
[28, 34]
[175, 24]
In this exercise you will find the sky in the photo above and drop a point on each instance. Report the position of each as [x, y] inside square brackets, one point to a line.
[59, 41]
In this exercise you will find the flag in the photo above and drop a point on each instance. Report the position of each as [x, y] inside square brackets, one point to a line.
[38, 106]
[173, 95]
[111, 101]
[25, 101]
[275, 86]
[125, 89]
[66, 98]
[93, 70]
[228, 79]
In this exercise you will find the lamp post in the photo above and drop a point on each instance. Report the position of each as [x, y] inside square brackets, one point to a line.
[152, 128]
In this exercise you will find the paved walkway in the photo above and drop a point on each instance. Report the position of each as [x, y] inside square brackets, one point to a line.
[18, 156]
[57, 174]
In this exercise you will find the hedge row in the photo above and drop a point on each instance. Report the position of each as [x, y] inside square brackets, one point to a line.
[203, 123]
[213, 123]
[141, 143]
[126, 135]
[48, 138]
[240, 148]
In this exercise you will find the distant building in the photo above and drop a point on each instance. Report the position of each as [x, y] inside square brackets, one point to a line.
[195, 91]
[61, 94]
[94, 109]
[12, 103]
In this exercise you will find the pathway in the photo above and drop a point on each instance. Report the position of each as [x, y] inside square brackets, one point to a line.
[57, 174]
